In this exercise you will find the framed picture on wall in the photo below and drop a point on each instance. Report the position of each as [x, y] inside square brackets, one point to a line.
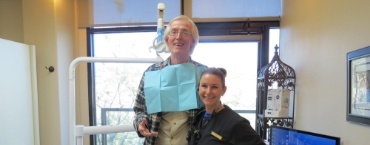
[358, 86]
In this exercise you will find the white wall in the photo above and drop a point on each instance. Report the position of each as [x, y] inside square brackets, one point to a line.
[315, 37]
[50, 26]
[11, 20]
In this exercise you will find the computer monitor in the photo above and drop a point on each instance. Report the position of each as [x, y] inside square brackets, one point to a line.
[289, 136]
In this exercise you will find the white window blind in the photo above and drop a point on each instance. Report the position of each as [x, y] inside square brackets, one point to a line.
[235, 8]
[92, 13]
[125, 12]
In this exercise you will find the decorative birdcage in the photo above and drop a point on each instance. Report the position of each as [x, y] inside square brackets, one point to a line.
[275, 74]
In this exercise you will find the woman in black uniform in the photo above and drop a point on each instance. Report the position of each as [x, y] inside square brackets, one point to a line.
[217, 124]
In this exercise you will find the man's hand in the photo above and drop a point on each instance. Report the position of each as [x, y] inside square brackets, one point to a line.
[144, 130]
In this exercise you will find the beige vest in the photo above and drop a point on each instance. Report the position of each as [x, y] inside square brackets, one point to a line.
[173, 129]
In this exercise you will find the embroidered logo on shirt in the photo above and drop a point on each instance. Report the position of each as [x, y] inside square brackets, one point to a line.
[216, 135]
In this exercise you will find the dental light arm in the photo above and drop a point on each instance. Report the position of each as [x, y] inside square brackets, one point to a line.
[158, 44]
[160, 23]
[76, 132]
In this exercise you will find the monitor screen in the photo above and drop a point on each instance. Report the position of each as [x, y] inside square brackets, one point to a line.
[288, 136]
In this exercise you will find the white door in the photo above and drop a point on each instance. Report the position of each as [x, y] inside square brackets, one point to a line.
[18, 94]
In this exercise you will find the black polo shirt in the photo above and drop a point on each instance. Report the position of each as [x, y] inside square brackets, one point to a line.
[223, 128]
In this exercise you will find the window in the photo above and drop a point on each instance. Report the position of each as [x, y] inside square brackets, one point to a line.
[240, 61]
[274, 41]
[114, 85]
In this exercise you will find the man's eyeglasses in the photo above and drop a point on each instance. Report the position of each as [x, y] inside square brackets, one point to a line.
[182, 33]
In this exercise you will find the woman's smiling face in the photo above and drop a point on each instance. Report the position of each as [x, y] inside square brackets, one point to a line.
[211, 89]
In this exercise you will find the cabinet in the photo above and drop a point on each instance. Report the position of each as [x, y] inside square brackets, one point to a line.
[276, 75]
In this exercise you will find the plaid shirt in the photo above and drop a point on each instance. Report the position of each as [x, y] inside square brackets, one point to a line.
[154, 119]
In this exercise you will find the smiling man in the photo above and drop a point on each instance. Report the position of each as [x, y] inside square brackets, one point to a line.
[169, 128]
